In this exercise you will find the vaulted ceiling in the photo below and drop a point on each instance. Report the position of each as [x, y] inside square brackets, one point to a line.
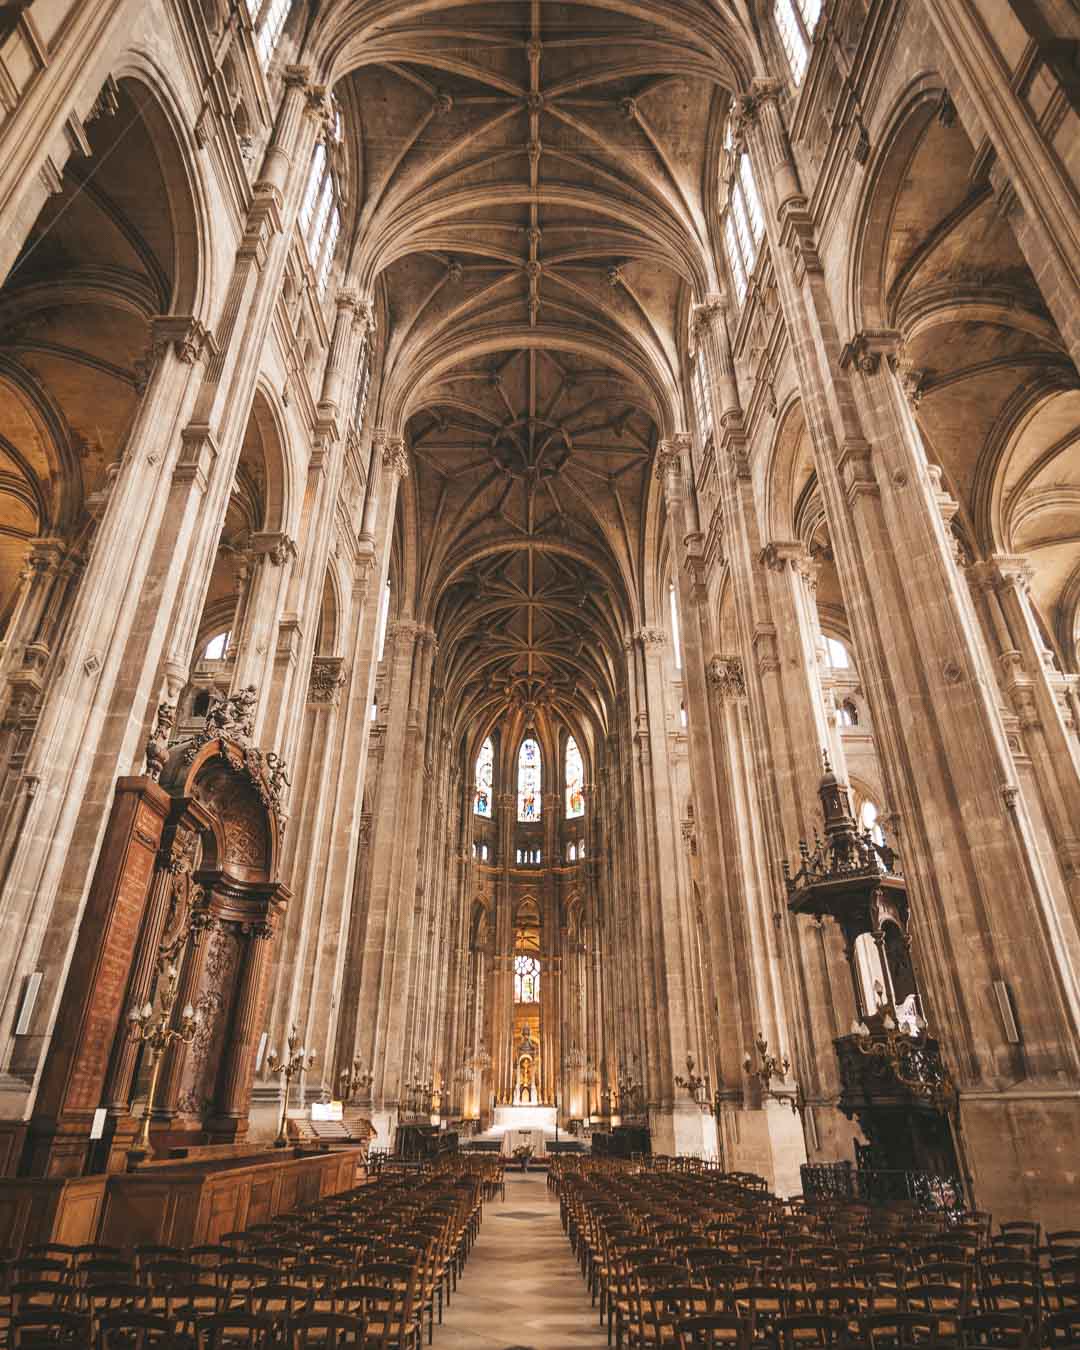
[535, 205]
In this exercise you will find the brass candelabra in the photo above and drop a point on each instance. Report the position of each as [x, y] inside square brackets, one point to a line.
[354, 1080]
[297, 1060]
[156, 1031]
[769, 1067]
[696, 1085]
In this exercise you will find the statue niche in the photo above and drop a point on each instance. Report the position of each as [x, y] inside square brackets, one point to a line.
[527, 1078]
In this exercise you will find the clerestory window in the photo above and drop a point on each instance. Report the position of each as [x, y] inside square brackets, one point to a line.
[795, 23]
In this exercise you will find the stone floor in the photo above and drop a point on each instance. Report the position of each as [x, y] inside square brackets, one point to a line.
[522, 1289]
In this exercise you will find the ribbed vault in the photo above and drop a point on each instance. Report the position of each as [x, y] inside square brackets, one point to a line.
[535, 213]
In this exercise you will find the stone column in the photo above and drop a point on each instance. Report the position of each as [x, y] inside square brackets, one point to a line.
[348, 867]
[180, 459]
[977, 869]
[678, 1126]
[1043, 741]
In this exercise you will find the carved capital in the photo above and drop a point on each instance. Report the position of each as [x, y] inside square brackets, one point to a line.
[1012, 572]
[669, 456]
[866, 349]
[650, 637]
[793, 555]
[183, 334]
[727, 677]
[395, 457]
[748, 106]
[326, 680]
[276, 547]
[704, 315]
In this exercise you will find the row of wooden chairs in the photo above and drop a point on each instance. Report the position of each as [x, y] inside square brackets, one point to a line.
[660, 1246]
[367, 1269]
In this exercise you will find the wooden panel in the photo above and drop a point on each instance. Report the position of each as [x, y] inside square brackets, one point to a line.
[261, 1203]
[186, 1204]
[92, 1004]
[79, 1214]
[50, 1210]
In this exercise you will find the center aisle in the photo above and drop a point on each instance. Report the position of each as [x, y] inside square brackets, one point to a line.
[521, 1289]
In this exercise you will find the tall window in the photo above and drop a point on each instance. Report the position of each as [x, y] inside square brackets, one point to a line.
[868, 821]
[837, 654]
[795, 22]
[217, 647]
[526, 979]
[675, 639]
[384, 615]
[484, 768]
[320, 210]
[575, 781]
[702, 407]
[744, 224]
[268, 17]
[529, 780]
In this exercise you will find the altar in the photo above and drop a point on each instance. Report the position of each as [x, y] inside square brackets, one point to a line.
[523, 1124]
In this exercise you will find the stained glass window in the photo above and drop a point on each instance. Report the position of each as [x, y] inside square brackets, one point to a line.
[526, 979]
[484, 762]
[529, 780]
[575, 781]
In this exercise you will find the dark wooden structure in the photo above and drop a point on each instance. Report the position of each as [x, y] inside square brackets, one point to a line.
[893, 1079]
[187, 876]
[176, 1203]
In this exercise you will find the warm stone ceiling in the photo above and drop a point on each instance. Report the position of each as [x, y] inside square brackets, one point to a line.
[998, 400]
[534, 210]
[75, 310]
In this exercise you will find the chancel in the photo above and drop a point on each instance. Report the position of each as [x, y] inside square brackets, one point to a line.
[539, 622]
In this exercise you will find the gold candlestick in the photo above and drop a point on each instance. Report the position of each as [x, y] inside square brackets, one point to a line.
[297, 1060]
[158, 1033]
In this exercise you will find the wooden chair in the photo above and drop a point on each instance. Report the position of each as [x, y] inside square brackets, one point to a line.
[62, 1295]
[812, 1331]
[104, 1269]
[896, 1330]
[237, 1330]
[324, 1331]
[383, 1312]
[721, 1331]
[48, 1329]
[162, 1274]
[1061, 1330]
[997, 1331]
[128, 1329]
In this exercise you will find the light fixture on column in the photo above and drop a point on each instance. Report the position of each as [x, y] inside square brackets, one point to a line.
[297, 1060]
[573, 1060]
[769, 1067]
[696, 1085]
[354, 1080]
[158, 1033]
